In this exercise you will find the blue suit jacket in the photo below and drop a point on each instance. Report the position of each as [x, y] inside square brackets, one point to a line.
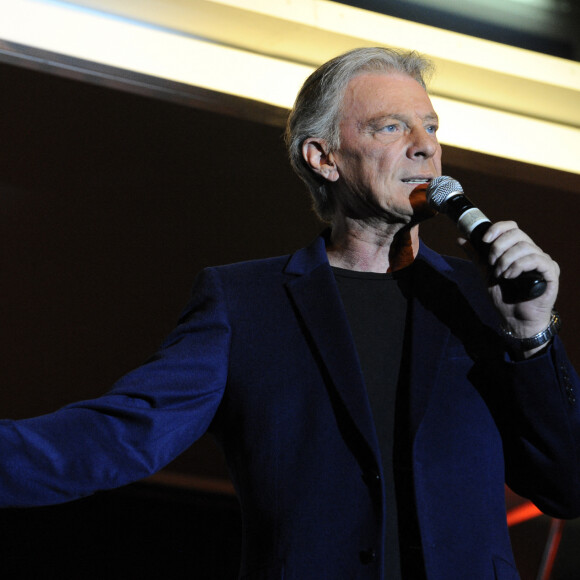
[264, 359]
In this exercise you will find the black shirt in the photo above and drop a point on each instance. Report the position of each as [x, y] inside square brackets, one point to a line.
[376, 306]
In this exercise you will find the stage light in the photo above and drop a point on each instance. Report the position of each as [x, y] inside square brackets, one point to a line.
[491, 98]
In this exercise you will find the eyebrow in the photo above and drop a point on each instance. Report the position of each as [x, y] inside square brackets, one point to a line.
[375, 122]
[431, 117]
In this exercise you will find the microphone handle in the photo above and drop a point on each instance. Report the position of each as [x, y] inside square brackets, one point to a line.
[473, 224]
[527, 286]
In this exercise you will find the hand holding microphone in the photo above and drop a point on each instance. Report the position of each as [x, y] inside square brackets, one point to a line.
[445, 195]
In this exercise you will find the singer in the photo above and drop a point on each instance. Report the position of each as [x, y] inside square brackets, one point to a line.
[372, 397]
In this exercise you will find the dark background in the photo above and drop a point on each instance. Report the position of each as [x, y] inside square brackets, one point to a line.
[110, 203]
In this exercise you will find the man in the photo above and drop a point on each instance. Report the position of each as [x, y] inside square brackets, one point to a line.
[364, 395]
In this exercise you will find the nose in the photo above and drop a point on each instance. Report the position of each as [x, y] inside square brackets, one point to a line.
[422, 144]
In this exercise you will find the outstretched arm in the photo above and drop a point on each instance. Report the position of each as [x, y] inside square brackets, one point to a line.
[148, 418]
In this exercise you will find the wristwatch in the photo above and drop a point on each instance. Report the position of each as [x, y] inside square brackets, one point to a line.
[543, 337]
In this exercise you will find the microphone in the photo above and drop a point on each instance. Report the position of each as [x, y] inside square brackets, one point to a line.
[445, 195]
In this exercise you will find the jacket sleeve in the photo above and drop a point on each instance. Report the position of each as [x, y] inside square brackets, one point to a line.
[150, 416]
[542, 432]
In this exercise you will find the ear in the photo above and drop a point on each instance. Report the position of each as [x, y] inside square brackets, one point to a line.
[321, 162]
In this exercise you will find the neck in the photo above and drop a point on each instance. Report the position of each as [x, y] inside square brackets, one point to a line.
[372, 248]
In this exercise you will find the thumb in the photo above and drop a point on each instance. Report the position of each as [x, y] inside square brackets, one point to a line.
[469, 250]
[474, 256]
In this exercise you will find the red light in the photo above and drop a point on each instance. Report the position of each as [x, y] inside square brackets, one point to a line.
[522, 513]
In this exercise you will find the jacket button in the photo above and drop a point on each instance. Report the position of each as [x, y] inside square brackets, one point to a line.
[372, 478]
[368, 556]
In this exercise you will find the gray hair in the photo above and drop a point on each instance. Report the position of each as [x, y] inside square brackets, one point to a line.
[316, 111]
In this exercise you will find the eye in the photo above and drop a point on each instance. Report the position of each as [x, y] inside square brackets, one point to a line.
[392, 128]
[432, 129]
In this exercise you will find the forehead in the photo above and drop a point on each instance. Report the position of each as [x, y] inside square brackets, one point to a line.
[373, 94]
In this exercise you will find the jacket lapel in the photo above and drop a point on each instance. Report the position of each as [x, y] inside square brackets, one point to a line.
[446, 300]
[429, 336]
[315, 294]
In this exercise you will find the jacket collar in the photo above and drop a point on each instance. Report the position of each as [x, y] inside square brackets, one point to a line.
[309, 258]
[314, 255]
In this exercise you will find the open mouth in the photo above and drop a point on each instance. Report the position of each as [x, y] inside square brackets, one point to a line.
[417, 180]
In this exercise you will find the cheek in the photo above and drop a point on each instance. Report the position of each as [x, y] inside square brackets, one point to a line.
[437, 159]
[356, 166]
[366, 165]
[377, 165]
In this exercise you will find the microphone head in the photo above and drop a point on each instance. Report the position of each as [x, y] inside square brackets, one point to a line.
[440, 189]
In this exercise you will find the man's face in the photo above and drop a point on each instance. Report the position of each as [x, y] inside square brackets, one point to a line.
[389, 149]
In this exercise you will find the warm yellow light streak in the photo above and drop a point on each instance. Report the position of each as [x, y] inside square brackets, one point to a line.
[89, 35]
[118, 43]
[508, 135]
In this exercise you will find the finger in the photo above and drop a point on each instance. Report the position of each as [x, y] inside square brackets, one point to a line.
[519, 257]
[509, 243]
[497, 229]
[508, 238]
[527, 263]
[469, 250]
